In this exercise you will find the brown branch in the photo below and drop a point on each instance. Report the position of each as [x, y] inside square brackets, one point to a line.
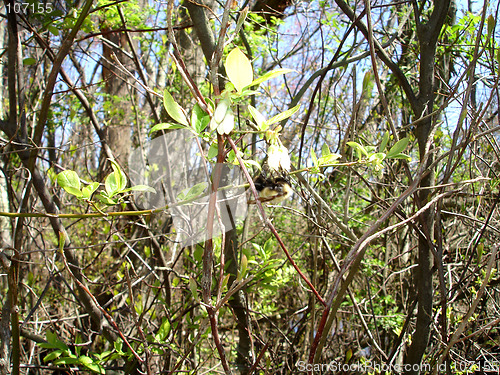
[381, 53]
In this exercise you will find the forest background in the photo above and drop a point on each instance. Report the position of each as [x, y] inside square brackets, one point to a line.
[387, 253]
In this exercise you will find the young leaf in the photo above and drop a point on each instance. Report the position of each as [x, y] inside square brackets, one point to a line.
[252, 163]
[239, 69]
[194, 288]
[328, 159]
[270, 75]
[359, 149]
[314, 158]
[95, 367]
[53, 30]
[199, 119]
[383, 144]
[51, 356]
[103, 198]
[70, 182]
[173, 109]
[241, 20]
[111, 185]
[164, 331]
[243, 268]
[145, 188]
[225, 280]
[213, 151]
[269, 245]
[85, 360]
[491, 25]
[283, 115]
[325, 150]
[165, 126]
[398, 147]
[118, 345]
[479, 253]
[259, 118]
[88, 190]
[193, 192]
[53, 339]
[116, 181]
[377, 158]
[399, 156]
[29, 61]
[367, 84]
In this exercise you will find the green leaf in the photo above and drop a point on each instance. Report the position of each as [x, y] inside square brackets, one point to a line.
[54, 340]
[239, 69]
[328, 159]
[283, 115]
[491, 25]
[67, 361]
[199, 119]
[348, 356]
[193, 288]
[269, 246]
[377, 158]
[88, 190]
[367, 84]
[253, 163]
[173, 109]
[118, 345]
[47, 345]
[104, 198]
[314, 158]
[383, 144]
[29, 61]
[241, 19]
[213, 151]
[399, 156]
[243, 268]
[53, 355]
[164, 331]
[224, 282]
[70, 182]
[116, 180]
[53, 30]
[166, 126]
[111, 185]
[198, 253]
[96, 368]
[325, 150]
[479, 253]
[270, 75]
[85, 360]
[358, 148]
[193, 192]
[398, 147]
[259, 118]
[145, 188]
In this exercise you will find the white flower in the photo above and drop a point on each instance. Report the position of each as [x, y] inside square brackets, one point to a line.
[273, 157]
[223, 118]
[284, 158]
[277, 156]
[221, 110]
[227, 124]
